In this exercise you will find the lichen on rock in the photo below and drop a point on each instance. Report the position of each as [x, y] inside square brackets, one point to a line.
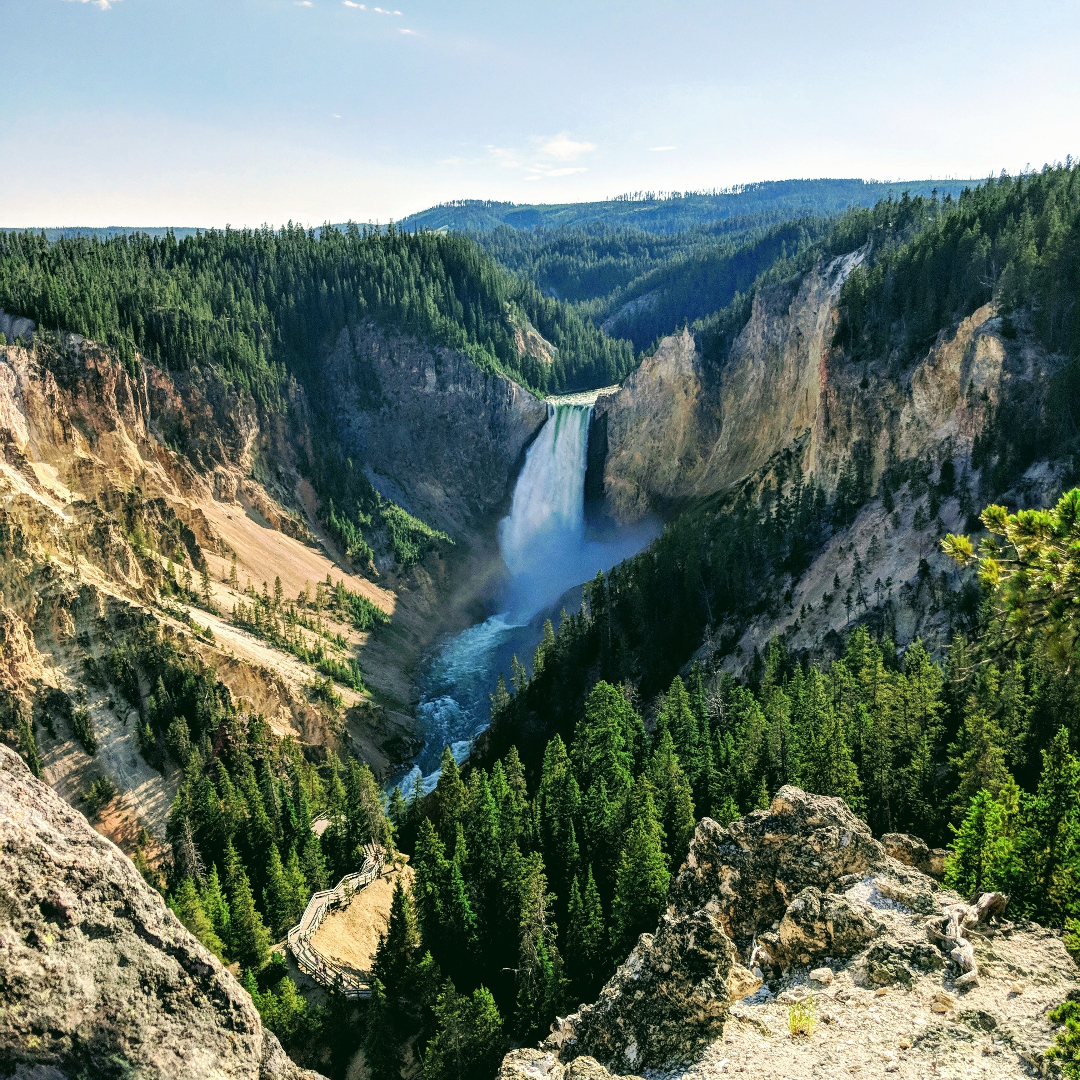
[97, 976]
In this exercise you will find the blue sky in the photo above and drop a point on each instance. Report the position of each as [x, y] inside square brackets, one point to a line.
[207, 112]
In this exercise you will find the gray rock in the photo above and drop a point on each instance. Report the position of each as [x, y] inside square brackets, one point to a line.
[97, 976]
[664, 1005]
[756, 866]
[817, 924]
[912, 851]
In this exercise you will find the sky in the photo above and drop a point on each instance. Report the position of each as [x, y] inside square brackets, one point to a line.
[244, 112]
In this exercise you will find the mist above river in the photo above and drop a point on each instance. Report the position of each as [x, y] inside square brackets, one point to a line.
[550, 549]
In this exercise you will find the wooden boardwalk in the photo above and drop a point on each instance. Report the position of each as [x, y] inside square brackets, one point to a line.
[310, 961]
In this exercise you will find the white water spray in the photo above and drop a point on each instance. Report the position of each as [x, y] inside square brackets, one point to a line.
[543, 536]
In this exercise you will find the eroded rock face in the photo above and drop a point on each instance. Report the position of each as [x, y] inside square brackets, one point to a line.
[437, 434]
[678, 428]
[666, 1003]
[97, 976]
[757, 865]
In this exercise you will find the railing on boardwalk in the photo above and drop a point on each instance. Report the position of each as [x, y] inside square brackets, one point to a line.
[310, 961]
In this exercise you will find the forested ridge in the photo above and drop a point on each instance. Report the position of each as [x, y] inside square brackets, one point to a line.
[642, 285]
[662, 212]
[262, 306]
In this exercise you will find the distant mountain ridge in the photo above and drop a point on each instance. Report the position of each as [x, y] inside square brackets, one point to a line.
[677, 212]
[663, 214]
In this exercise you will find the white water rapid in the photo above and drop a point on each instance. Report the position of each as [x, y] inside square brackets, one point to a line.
[548, 548]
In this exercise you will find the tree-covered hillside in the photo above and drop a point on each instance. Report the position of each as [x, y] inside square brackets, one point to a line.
[261, 306]
[675, 211]
[641, 285]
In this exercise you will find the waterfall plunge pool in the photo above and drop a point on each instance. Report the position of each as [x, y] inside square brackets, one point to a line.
[550, 549]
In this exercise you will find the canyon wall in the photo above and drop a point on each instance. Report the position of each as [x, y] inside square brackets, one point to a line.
[435, 432]
[681, 428]
[116, 478]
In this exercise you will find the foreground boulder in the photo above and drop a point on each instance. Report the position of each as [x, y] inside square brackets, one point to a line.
[877, 955]
[666, 1003]
[97, 976]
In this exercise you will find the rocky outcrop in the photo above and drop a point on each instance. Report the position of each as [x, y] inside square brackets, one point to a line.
[666, 1003]
[98, 976]
[435, 432]
[873, 951]
[678, 429]
[757, 866]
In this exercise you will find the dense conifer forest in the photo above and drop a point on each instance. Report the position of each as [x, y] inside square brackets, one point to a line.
[640, 285]
[262, 306]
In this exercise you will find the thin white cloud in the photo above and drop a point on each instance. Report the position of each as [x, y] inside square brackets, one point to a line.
[336, 115]
[661, 149]
[403, 31]
[563, 148]
[101, 5]
[303, 3]
[545, 160]
[350, 3]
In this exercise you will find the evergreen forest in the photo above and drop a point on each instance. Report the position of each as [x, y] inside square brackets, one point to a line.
[262, 306]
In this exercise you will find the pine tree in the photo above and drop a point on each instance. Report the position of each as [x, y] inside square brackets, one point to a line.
[540, 977]
[641, 883]
[187, 907]
[978, 757]
[313, 864]
[586, 940]
[215, 905]
[397, 811]
[600, 750]
[1049, 841]
[278, 897]
[392, 1013]
[982, 851]
[558, 801]
[449, 798]
[431, 872]
[468, 1039]
[481, 826]
[460, 933]
[299, 888]
[826, 766]
[248, 940]
[679, 718]
[674, 803]
[514, 806]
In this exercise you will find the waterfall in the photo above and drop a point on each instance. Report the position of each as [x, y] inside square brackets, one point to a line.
[544, 532]
[548, 550]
